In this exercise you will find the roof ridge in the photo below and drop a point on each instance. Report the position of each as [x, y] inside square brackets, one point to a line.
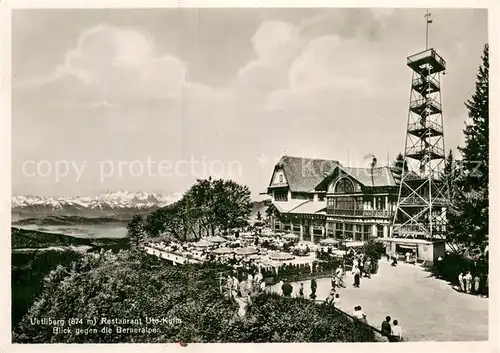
[312, 158]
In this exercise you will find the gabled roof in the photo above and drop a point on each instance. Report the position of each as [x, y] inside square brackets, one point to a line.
[287, 206]
[309, 207]
[381, 176]
[300, 206]
[303, 174]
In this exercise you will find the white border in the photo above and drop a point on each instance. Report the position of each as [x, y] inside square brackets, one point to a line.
[5, 176]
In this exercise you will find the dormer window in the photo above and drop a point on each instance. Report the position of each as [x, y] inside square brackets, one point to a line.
[344, 186]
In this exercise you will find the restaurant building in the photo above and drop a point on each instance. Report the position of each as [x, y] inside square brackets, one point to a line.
[318, 198]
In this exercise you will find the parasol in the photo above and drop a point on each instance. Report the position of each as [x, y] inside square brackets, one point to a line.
[329, 241]
[222, 251]
[281, 256]
[246, 251]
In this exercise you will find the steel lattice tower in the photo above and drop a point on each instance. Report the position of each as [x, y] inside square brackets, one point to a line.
[422, 198]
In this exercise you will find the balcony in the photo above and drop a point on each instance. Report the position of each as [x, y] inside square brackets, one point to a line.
[425, 85]
[427, 62]
[422, 152]
[425, 128]
[360, 213]
[425, 107]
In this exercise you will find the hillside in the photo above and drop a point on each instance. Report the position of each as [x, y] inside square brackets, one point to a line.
[31, 239]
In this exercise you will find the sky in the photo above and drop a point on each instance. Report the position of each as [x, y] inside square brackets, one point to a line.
[152, 99]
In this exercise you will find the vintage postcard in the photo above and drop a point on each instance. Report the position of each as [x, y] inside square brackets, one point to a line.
[195, 174]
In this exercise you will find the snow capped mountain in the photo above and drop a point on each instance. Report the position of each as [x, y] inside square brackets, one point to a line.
[111, 203]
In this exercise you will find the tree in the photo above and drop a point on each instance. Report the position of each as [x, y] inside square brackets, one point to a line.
[450, 175]
[468, 211]
[135, 230]
[207, 207]
[399, 166]
[475, 153]
[134, 285]
[131, 285]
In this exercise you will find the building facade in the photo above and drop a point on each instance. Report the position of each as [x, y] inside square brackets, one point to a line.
[319, 199]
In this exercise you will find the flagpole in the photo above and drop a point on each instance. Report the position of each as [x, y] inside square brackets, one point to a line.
[426, 29]
[427, 21]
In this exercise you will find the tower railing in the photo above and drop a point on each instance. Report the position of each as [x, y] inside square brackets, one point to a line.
[426, 125]
[419, 106]
[427, 55]
[426, 80]
[421, 150]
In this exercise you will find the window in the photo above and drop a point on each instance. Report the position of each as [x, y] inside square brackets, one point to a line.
[344, 203]
[321, 197]
[344, 186]
[300, 196]
[281, 178]
[281, 196]
[367, 231]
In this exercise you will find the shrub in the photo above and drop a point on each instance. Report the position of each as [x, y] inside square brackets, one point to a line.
[271, 318]
[131, 285]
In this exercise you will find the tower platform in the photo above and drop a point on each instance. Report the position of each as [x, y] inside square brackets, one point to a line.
[426, 62]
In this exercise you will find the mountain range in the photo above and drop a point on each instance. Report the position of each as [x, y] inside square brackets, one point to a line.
[117, 204]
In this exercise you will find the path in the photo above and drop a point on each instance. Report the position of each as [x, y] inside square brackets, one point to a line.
[428, 309]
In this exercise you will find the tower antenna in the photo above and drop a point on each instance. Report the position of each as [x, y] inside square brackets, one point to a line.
[427, 21]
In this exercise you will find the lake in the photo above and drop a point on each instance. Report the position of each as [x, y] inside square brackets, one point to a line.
[113, 230]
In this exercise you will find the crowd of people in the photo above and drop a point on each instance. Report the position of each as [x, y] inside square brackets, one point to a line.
[468, 283]
[393, 332]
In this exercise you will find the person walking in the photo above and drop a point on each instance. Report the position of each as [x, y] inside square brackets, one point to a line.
[385, 328]
[314, 286]
[461, 282]
[301, 290]
[287, 289]
[368, 268]
[396, 332]
[468, 282]
[394, 261]
[477, 282]
[356, 274]
[339, 272]
[334, 283]
[336, 301]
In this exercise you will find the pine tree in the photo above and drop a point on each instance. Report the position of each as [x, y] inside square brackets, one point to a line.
[398, 166]
[468, 211]
[475, 152]
[135, 230]
[450, 175]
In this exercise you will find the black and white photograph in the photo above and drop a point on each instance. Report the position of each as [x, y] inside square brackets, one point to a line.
[249, 175]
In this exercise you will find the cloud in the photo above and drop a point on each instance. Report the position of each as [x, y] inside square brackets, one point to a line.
[116, 65]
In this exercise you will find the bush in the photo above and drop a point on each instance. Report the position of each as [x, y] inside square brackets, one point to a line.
[132, 285]
[271, 318]
[452, 264]
[28, 271]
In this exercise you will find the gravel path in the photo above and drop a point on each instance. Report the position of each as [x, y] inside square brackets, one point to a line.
[428, 309]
